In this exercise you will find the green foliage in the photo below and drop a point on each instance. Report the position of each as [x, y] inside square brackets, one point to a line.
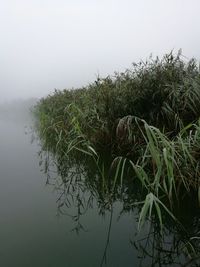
[149, 118]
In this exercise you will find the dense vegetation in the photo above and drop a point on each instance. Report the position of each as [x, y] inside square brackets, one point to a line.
[148, 120]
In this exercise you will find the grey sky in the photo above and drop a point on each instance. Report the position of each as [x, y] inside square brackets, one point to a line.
[50, 44]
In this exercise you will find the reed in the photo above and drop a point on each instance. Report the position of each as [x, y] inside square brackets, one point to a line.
[146, 117]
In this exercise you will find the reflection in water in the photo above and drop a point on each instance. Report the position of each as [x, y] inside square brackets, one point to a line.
[82, 186]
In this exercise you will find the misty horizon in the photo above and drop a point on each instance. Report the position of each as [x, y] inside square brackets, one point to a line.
[63, 44]
[106, 172]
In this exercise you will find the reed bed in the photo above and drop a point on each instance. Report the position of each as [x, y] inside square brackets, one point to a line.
[147, 118]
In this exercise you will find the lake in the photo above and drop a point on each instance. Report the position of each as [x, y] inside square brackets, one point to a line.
[57, 216]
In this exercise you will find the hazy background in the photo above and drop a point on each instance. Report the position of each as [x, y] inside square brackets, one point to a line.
[46, 44]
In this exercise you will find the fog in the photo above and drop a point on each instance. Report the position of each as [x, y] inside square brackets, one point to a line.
[50, 44]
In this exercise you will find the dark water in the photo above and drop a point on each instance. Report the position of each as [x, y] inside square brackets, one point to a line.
[73, 224]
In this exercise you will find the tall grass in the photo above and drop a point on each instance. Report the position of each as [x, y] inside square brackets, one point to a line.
[146, 117]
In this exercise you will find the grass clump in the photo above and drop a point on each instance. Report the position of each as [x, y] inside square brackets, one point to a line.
[147, 116]
[165, 93]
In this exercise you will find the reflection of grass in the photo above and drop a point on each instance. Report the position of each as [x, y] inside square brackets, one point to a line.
[81, 187]
[147, 116]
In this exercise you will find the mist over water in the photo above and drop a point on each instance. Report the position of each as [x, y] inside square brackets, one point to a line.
[17, 110]
[47, 45]
[64, 44]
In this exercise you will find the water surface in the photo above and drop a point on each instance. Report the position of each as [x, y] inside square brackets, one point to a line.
[62, 224]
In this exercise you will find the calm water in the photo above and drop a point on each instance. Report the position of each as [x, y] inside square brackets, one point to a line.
[70, 225]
